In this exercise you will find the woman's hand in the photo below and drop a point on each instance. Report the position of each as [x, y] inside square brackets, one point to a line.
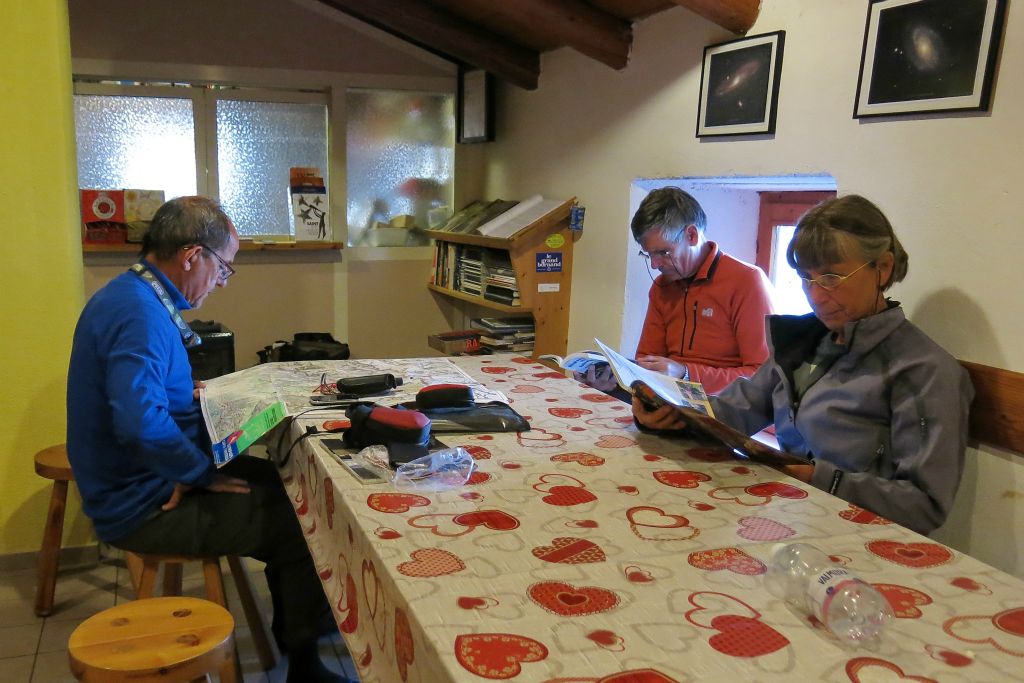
[665, 366]
[665, 417]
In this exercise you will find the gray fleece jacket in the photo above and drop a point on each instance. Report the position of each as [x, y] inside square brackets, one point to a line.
[886, 425]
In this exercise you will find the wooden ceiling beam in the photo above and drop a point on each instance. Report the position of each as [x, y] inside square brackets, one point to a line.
[577, 24]
[440, 31]
[736, 15]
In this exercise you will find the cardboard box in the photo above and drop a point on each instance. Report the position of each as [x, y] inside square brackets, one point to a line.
[102, 206]
[117, 216]
[141, 205]
[465, 341]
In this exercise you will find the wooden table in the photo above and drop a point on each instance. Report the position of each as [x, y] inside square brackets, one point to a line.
[585, 551]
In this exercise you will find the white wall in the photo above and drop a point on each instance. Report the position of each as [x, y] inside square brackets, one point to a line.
[947, 182]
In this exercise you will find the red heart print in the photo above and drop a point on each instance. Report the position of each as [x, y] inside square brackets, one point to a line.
[763, 529]
[428, 562]
[703, 507]
[478, 477]
[510, 465]
[969, 584]
[882, 670]
[654, 524]
[740, 636]
[582, 523]
[329, 501]
[567, 600]
[468, 602]
[302, 501]
[569, 550]
[638, 575]
[681, 479]
[478, 452]
[496, 370]
[731, 559]
[348, 605]
[395, 502]
[550, 375]
[629, 490]
[585, 459]
[526, 389]
[495, 520]
[404, 649]
[497, 656]
[373, 594]
[638, 676]
[776, 488]
[1011, 621]
[859, 515]
[914, 555]
[650, 457]
[325, 574]
[609, 640]
[950, 657]
[472, 495]
[539, 438]
[568, 495]
[903, 600]
[570, 413]
[614, 441]
[741, 470]
[367, 657]
[386, 533]
[598, 398]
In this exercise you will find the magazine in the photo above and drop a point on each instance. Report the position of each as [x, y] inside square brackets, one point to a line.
[654, 390]
[580, 361]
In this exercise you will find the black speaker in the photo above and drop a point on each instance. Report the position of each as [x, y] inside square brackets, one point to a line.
[216, 355]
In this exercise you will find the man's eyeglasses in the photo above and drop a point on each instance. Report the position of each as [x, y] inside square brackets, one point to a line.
[224, 269]
[657, 253]
[830, 281]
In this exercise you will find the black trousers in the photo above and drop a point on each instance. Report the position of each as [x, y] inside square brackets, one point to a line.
[259, 524]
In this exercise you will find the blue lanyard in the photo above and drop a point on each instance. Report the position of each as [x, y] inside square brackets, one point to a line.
[188, 337]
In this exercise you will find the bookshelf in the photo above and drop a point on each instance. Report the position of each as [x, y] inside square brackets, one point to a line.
[542, 294]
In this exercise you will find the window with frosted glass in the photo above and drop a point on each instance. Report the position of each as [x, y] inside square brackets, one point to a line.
[400, 157]
[145, 143]
[257, 142]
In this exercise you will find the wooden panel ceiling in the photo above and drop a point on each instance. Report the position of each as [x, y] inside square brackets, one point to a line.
[506, 37]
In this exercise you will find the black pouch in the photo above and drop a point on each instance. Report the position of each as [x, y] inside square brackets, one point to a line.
[368, 385]
[405, 433]
[480, 418]
[305, 346]
[445, 396]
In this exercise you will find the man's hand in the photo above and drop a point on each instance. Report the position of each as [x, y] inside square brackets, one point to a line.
[665, 366]
[196, 386]
[220, 484]
[665, 417]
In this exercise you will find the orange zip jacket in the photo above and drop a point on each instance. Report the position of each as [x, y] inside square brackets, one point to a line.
[713, 322]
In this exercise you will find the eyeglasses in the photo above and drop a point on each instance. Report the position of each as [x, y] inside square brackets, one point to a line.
[224, 269]
[657, 253]
[831, 281]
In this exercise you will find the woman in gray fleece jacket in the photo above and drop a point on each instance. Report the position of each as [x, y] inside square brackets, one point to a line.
[877, 408]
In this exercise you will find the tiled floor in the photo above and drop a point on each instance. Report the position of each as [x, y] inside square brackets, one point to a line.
[34, 650]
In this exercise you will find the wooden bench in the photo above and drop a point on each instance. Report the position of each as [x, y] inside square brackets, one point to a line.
[997, 414]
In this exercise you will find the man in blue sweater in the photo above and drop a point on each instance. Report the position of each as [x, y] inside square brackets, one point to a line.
[137, 442]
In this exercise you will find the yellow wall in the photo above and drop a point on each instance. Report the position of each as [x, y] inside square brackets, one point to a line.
[41, 280]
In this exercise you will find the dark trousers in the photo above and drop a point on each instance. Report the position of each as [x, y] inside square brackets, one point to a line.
[260, 524]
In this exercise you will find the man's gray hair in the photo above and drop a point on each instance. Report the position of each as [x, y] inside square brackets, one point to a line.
[183, 221]
[670, 210]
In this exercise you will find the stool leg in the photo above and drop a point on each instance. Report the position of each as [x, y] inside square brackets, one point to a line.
[266, 648]
[49, 553]
[172, 578]
[134, 565]
[147, 580]
[215, 593]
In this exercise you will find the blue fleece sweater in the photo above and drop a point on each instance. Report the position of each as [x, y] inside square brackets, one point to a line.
[134, 429]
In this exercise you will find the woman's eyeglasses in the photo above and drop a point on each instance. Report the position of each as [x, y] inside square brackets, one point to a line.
[830, 281]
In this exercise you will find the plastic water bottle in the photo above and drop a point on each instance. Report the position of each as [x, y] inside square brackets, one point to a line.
[806, 578]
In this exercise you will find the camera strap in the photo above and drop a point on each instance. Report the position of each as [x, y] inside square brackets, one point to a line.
[188, 337]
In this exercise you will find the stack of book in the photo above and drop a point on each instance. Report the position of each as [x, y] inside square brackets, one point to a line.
[500, 279]
[506, 334]
[475, 214]
[470, 270]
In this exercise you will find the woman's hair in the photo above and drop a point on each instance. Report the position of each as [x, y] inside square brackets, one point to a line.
[849, 227]
[670, 210]
[183, 221]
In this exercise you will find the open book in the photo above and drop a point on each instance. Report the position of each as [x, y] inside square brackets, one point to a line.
[580, 361]
[654, 389]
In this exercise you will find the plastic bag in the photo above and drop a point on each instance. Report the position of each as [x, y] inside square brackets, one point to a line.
[438, 471]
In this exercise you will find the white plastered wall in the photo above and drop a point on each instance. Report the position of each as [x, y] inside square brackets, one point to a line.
[948, 183]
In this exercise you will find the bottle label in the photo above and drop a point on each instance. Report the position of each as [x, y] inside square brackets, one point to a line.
[825, 586]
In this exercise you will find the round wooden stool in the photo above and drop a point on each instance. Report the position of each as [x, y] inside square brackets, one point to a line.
[52, 463]
[157, 639]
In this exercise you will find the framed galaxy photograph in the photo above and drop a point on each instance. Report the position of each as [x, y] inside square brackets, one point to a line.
[928, 56]
[739, 86]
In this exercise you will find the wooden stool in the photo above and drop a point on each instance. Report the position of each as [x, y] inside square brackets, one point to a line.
[52, 463]
[159, 639]
[144, 581]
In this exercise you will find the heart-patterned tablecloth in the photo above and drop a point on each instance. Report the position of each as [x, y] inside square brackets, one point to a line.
[583, 551]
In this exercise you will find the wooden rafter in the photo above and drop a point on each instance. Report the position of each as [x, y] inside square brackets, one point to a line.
[736, 15]
[440, 31]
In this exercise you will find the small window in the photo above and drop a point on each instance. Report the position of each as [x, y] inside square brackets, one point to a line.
[159, 137]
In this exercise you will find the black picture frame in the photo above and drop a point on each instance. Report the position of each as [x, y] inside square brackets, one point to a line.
[475, 104]
[739, 86]
[928, 56]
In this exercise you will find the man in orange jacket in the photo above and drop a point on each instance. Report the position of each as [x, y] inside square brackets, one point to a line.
[706, 310]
